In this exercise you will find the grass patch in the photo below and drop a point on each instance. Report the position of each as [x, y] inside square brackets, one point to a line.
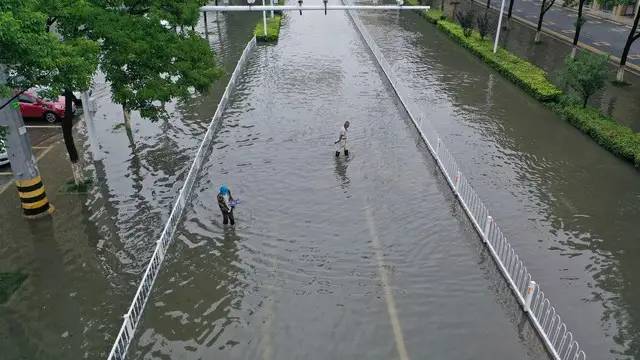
[524, 74]
[70, 186]
[433, 15]
[619, 139]
[9, 283]
[273, 29]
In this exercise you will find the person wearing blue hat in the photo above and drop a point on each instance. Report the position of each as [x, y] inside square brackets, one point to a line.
[226, 204]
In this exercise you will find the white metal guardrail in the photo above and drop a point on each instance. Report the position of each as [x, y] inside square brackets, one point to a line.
[552, 330]
[132, 317]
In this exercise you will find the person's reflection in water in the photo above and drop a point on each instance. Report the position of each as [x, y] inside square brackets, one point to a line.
[341, 173]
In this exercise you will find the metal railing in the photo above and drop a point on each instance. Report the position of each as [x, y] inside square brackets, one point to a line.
[552, 330]
[132, 317]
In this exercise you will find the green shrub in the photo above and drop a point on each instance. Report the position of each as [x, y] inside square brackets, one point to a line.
[585, 74]
[466, 20]
[526, 75]
[618, 139]
[273, 30]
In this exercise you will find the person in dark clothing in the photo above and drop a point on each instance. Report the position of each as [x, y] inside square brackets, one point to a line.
[226, 204]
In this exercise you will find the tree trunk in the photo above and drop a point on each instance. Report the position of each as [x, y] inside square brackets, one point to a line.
[576, 35]
[510, 9]
[584, 103]
[625, 53]
[67, 135]
[488, 4]
[539, 28]
[620, 73]
[126, 113]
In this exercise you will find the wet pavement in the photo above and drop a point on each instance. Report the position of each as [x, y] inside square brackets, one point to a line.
[366, 257]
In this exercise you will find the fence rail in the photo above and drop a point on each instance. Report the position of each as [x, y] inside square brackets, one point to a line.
[552, 330]
[132, 317]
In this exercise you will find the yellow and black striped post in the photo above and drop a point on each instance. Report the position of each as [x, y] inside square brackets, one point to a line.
[33, 197]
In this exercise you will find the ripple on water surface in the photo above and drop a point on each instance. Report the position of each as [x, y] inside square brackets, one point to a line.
[299, 276]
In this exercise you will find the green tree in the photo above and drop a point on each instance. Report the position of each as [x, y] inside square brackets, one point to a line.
[585, 74]
[35, 56]
[148, 56]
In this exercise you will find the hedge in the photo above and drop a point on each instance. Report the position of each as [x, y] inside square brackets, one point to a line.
[273, 30]
[619, 139]
[524, 74]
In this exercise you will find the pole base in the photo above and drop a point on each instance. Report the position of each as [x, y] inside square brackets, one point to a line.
[33, 197]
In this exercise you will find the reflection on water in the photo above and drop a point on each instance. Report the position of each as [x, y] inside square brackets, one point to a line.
[341, 173]
[568, 206]
[305, 280]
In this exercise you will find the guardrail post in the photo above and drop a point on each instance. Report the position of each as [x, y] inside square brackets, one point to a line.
[487, 228]
[457, 180]
[160, 249]
[127, 325]
[529, 296]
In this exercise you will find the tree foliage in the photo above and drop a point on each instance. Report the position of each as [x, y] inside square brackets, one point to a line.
[585, 74]
[34, 56]
[148, 56]
[141, 45]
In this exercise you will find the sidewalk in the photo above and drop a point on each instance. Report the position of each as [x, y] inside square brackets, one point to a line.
[597, 33]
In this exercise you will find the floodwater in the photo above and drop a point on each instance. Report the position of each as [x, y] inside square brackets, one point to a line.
[85, 263]
[369, 257]
[569, 207]
[331, 258]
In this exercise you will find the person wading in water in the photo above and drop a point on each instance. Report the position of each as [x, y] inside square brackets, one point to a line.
[341, 144]
[226, 204]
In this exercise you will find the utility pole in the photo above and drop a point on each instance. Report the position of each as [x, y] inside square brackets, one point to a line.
[33, 197]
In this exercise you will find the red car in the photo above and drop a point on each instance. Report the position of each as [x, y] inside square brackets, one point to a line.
[32, 106]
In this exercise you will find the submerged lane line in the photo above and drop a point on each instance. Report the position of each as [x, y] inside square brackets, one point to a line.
[6, 186]
[388, 294]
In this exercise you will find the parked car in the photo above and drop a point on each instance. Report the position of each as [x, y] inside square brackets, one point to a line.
[33, 106]
[4, 158]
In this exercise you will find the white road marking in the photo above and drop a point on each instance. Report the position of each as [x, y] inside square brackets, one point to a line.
[6, 186]
[388, 294]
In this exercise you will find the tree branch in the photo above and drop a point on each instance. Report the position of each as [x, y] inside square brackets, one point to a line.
[549, 6]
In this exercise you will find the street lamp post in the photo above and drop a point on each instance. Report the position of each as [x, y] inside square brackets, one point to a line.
[495, 43]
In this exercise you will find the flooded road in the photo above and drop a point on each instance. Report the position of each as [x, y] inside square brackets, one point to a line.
[369, 257]
[366, 257]
[569, 207]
